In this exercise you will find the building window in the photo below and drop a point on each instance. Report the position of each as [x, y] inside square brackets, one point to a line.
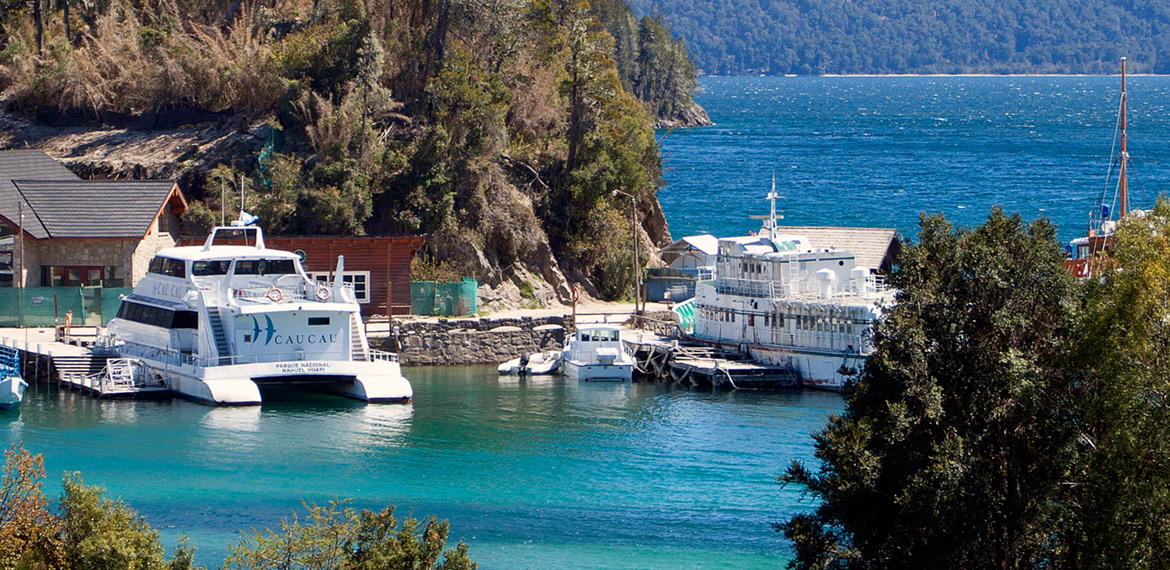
[359, 280]
[73, 276]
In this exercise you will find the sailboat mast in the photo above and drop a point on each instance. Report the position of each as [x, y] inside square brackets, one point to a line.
[1122, 187]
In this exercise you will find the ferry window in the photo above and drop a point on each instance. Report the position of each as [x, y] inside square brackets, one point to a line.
[210, 267]
[359, 280]
[185, 320]
[176, 268]
[134, 311]
[280, 267]
[247, 267]
[265, 267]
[316, 321]
[167, 266]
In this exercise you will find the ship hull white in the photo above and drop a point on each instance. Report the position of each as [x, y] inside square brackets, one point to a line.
[11, 392]
[598, 372]
[237, 385]
[540, 364]
[816, 370]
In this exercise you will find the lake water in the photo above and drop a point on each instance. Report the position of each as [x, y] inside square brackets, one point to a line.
[559, 474]
[544, 473]
[877, 151]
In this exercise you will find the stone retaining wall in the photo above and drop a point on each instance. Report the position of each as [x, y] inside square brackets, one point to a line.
[472, 341]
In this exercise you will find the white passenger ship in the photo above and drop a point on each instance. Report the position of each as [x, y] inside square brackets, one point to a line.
[787, 303]
[217, 321]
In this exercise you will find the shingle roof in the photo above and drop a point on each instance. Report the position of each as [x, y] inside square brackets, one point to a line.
[872, 247]
[94, 208]
[27, 165]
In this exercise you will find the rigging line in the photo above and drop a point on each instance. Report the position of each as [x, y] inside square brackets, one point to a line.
[1114, 157]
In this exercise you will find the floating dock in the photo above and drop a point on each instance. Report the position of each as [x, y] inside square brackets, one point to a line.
[691, 364]
[77, 366]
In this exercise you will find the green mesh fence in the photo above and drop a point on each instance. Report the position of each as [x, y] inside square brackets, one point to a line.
[35, 307]
[457, 299]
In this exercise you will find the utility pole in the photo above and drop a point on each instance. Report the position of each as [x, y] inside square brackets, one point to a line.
[634, 229]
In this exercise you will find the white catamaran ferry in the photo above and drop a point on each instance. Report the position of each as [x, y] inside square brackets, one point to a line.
[217, 321]
[789, 304]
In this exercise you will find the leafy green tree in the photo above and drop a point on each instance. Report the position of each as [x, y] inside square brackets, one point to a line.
[104, 534]
[335, 536]
[1122, 505]
[28, 530]
[958, 437]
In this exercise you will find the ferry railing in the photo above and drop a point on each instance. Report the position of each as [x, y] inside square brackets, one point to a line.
[176, 358]
[382, 356]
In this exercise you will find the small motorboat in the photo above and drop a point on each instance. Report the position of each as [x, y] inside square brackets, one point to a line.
[596, 352]
[538, 364]
[11, 392]
[12, 386]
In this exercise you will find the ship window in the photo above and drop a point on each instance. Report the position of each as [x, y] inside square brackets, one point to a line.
[317, 321]
[185, 320]
[358, 280]
[265, 267]
[210, 267]
[168, 266]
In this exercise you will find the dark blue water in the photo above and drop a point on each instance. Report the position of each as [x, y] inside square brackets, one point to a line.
[877, 151]
[546, 473]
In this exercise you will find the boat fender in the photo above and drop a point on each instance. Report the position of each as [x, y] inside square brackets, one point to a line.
[323, 293]
[275, 295]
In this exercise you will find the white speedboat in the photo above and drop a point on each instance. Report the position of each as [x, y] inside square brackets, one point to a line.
[538, 364]
[217, 321]
[12, 386]
[596, 352]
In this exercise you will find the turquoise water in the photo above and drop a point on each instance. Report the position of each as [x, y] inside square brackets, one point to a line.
[546, 473]
[877, 151]
[558, 474]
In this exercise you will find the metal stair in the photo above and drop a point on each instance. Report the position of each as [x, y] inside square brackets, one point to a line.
[357, 341]
[221, 344]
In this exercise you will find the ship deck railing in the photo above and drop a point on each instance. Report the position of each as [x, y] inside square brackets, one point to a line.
[290, 287]
[178, 358]
[767, 288]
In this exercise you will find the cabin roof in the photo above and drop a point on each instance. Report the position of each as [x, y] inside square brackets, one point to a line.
[118, 209]
[598, 327]
[874, 248]
[26, 164]
[705, 243]
[225, 252]
[56, 203]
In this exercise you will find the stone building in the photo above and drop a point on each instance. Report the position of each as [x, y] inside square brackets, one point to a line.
[72, 232]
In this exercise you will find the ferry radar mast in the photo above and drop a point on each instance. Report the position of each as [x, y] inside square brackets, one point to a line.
[772, 219]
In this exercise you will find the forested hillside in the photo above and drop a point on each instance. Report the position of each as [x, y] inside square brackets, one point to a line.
[497, 127]
[729, 37]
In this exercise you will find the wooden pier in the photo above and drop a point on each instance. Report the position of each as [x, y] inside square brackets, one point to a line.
[80, 368]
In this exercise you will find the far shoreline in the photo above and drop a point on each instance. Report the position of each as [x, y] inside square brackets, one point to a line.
[847, 75]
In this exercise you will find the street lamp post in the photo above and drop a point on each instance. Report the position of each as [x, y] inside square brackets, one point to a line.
[634, 231]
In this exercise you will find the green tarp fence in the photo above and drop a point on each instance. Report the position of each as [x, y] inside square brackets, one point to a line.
[457, 299]
[684, 315]
[33, 306]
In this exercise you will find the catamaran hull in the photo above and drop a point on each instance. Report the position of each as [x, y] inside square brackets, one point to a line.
[11, 392]
[239, 385]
